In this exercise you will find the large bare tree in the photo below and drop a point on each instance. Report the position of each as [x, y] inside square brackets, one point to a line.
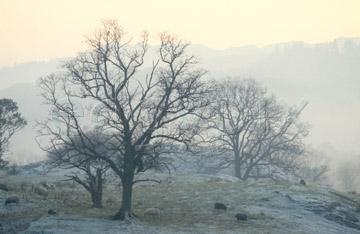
[140, 110]
[252, 131]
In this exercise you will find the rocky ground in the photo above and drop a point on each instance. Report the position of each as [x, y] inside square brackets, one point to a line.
[186, 203]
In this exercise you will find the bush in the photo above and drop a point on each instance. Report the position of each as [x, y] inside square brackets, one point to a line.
[13, 170]
[24, 185]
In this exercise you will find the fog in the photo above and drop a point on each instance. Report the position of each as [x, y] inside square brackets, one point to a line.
[325, 75]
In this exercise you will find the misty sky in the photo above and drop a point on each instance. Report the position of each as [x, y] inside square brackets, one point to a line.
[46, 29]
[41, 30]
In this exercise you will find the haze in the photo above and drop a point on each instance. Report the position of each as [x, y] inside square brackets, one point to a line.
[321, 66]
[203, 146]
[42, 29]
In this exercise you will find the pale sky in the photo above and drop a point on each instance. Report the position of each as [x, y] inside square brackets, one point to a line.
[46, 29]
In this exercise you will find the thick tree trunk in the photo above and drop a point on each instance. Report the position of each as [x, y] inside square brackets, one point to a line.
[96, 188]
[96, 197]
[125, 210]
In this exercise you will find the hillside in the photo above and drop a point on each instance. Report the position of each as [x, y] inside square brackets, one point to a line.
[186, 203]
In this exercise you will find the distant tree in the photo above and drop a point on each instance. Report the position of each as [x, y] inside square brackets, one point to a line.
[347, 175]
[252, 132]
[11, 121]
[82, 154]
[313, 167]
[141, 113]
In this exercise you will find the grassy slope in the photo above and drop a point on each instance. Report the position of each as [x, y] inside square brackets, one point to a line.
[186, 206]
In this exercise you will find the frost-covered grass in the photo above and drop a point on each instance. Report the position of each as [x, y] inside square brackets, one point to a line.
[190, 206]
[187, 206]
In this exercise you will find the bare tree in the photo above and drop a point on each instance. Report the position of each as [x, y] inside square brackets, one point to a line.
[11, 121]
[82, 155]
[252, 126]
[141, 113]
[347, 175]
[313, 167]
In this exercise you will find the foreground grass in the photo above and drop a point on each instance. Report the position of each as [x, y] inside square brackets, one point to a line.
[184, 206]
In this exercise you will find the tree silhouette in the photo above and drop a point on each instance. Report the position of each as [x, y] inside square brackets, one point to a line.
[141, 111]
[252, 131]
[11, 121]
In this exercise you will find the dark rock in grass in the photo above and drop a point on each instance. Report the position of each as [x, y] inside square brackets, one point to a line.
[51, 212]
[220, 206]
[13, 199]
[4, 187]
[302, 182]
[242, 217]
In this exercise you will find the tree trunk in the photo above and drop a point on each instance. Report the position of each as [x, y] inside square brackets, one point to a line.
[96, 197]
[96, 188]
[127, 183]
[125, 210]
[237, 165]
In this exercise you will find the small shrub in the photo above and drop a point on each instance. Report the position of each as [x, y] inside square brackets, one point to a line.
[13, 187]
[13, 170]
[23, 186]
[110, 201]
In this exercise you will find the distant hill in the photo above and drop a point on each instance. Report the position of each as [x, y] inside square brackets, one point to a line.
[27, 72]
[324, 74]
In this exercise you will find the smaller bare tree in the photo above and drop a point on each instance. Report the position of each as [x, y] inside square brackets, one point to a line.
[347, 175]
[313, 167]
[253, 127]
[81, 154]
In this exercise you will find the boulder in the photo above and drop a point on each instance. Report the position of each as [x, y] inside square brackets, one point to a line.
[220, 206]
[12, 199]
[3, 187]
[51, 212]
[242, 217]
